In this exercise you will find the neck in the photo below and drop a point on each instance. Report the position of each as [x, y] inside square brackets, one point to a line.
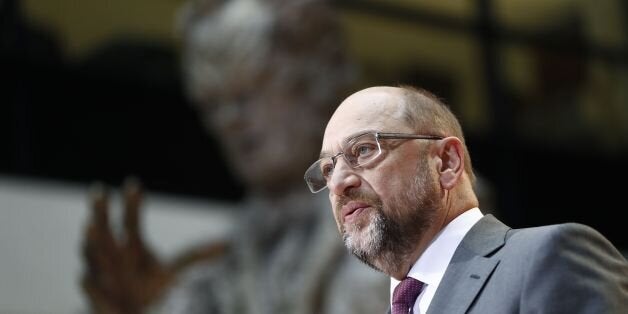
[402, 265]
[453, 204]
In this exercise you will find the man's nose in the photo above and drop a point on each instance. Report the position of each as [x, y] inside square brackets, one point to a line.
[343, 178]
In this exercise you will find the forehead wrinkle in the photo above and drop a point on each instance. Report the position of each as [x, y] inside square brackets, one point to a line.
[379, 108]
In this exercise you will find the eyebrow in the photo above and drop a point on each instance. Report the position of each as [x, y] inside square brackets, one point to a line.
[325, 153]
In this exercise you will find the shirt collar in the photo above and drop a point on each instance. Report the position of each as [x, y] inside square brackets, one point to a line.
[431, 265]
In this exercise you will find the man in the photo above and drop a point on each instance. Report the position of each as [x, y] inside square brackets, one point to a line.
[401, 187]
[263, 75]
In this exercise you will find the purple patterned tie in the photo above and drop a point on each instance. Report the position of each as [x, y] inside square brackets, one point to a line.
[405, 295]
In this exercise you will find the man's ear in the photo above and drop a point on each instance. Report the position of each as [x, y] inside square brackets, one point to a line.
[451, 163]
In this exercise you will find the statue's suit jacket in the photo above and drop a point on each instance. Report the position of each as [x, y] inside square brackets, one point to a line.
[566, 268]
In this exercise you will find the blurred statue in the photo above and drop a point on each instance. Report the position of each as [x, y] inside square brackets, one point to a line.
[265, 76]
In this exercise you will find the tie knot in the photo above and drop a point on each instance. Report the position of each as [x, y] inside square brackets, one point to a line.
[405, 294]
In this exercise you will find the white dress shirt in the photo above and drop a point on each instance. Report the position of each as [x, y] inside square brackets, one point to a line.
[431, 265]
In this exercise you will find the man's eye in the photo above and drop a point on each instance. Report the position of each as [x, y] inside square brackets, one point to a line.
[327, 169]
[364, 150]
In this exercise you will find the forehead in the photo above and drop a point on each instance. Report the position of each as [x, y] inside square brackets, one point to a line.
[380, 109]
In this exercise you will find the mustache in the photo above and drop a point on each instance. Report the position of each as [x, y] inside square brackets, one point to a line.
[356, 195]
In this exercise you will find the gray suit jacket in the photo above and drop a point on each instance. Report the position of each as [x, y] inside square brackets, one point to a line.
[566, 268]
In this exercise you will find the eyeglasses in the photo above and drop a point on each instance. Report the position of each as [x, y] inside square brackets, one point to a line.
[359, 151]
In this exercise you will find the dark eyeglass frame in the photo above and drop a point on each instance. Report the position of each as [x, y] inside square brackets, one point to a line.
[314, 177]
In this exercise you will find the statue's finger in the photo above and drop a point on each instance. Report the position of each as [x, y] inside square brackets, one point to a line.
[132, 190]
[99, 236]
[99, 201]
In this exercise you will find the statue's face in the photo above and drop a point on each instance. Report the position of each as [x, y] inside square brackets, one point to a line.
[268, 130]
[263, 96]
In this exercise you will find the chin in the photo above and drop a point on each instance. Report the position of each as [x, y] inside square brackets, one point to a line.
[365, 242]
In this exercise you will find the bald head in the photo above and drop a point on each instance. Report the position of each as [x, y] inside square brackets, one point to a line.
[397, 109]
[369, 109]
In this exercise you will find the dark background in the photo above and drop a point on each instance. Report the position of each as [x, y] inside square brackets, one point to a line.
[119, 110]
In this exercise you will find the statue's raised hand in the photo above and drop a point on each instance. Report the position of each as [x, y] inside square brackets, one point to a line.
[122, 275]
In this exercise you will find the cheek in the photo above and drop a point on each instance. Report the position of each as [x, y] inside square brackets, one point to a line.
[392, 181]
[335, 212]
[393, 187]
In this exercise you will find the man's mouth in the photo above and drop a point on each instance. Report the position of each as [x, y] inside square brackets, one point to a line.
[352, 210]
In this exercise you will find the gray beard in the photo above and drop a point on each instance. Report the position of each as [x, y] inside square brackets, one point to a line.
[385, 243]
[378, 244]
[373, 240]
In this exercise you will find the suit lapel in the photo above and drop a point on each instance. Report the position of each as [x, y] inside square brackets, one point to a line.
[469, 267]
